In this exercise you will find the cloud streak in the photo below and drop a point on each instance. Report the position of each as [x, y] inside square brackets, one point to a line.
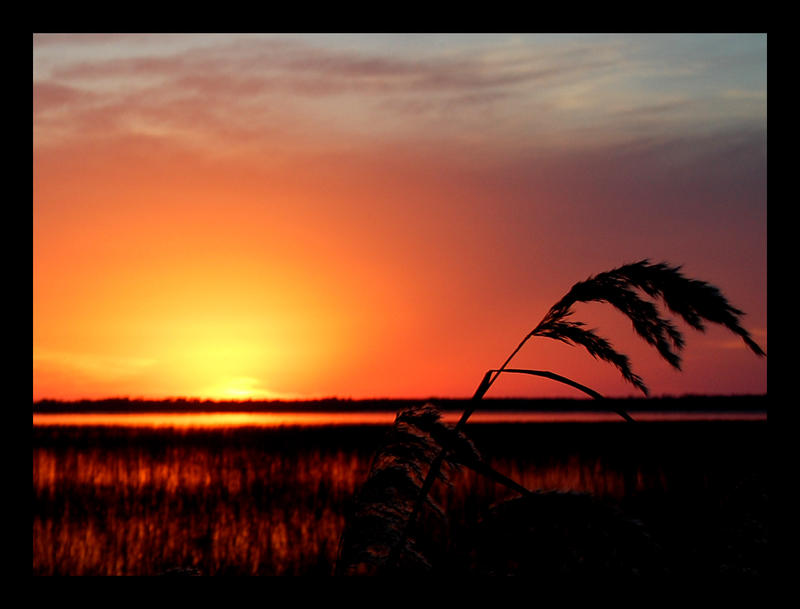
[93, 365]
[294, 66]
[219, 88]
[429, 193]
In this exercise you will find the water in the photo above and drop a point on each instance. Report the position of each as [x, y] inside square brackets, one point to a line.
[268, 493]
[316, 419]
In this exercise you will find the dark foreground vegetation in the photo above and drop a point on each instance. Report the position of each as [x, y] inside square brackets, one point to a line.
[689, 498]
[553, 532]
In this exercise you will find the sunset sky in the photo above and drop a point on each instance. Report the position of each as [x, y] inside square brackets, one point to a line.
[300, 216]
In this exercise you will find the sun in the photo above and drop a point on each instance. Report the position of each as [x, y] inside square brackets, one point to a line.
[241, 388]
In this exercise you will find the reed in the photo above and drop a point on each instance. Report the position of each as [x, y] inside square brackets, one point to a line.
[381, 537]
[628, 288]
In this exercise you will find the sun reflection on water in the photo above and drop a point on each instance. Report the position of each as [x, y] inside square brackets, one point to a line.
[317, 419]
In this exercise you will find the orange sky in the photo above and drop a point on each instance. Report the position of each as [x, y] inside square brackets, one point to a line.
[383, 216]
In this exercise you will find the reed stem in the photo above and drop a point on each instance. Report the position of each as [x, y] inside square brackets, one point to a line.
[693, 300]
[436, 465]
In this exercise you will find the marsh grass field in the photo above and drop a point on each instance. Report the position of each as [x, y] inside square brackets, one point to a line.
[274, 501]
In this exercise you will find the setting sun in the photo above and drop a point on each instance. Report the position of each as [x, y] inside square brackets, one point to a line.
[390, 225]
[403, 304]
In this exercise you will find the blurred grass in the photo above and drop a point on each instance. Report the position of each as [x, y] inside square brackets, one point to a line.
[139, 502]
[110, 501]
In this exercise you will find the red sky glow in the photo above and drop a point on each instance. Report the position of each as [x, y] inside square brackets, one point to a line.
[367, 216]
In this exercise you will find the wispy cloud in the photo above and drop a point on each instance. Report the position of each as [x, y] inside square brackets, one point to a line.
[107, 367]
[759, 334]
[221, 88]
[303, 68]
[403, 173]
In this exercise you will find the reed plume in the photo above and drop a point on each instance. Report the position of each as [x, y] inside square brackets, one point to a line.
[375, 538]
[627, 289]
[388, 523]
[387, 499]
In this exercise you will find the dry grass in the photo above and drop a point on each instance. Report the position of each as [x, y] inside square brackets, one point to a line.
[266, 502]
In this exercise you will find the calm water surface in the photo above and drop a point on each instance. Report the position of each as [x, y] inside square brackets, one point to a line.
[314, 419]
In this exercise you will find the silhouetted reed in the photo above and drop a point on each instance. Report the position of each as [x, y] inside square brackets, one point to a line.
[386, 543]
[625, 289]
[387, 498]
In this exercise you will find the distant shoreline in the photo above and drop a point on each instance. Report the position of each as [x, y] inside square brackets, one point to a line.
[689, 403]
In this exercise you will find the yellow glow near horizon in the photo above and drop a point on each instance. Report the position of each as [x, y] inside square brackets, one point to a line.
[274, 229]
[241, 388]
